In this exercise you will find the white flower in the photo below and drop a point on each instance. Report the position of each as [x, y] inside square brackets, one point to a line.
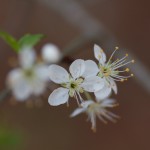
[74, 83]
[97, 109]
[109, 71]
[30, 78]
[51, 53]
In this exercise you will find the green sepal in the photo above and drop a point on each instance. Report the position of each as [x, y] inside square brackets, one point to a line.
[10, 40]
[29, 40]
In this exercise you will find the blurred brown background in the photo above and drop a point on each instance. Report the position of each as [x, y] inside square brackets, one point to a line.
[50, 128]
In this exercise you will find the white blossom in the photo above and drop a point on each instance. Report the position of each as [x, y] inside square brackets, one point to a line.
[28, 79]
[109, 71]
[72, 83]
[51, 53]
[97, 109]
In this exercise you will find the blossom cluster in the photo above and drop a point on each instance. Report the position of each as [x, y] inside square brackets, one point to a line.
[30, 78]
[86, 77]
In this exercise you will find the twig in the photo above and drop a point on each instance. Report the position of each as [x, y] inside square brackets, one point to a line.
[3, 94]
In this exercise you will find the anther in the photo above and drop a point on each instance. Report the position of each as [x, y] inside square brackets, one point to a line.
[116, 47]
[132, 75]
[127, 69]
[101, 51]
[133, 61]
[122, 80]
[127, 54]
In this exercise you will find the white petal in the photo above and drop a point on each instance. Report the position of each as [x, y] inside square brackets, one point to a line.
[38, 86]
[77, 68]
[103, 93]
[51, 53]
[19, 86]
[14, 76]
[93, 84]
[113, 86]
[58, 74]
[22, 90]
[77, 112]
[27, 57]
[99, 54]
[58, 96]
[108, 102]
[42, 72]
[85, 104]
[91, 68]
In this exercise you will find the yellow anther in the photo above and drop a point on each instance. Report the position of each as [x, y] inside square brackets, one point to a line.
[116, 47]
[132, 75]
[93, 129]
[101, 51]
[115, 105]
[127, 54]
[99, 56]
[133, 61]
[122, 80]
[127, 69]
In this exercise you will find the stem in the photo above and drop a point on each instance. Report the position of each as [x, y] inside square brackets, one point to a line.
[3, 94]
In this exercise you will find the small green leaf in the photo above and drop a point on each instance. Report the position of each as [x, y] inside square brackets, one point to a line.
[9, 139]
[11, 41]
[30, 40]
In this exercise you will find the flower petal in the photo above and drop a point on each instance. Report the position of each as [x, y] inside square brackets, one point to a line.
[113, 86]
[38, 86]
[27, 57]
[41, 72]
[77, 68]
[85, 104]
[93, 84]
[99, 54]
[109, 102]
[103, 93]
[51, 53]
[58, 74]
[58, 97]
[13, 76]
[21, 90]
[18, 84]
[91, 68]
[77, 112]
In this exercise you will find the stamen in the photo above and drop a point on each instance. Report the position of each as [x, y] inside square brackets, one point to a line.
[127, 69]
[122, 77]
[101, 118]
[120, 61]
[76, 97]
[116, 48]
[122, 80]
[81, 99]
[123, 64]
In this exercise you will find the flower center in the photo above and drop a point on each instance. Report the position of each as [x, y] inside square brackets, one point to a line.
[105, 71]
[29, 73]
[94, 107]
[73, 85]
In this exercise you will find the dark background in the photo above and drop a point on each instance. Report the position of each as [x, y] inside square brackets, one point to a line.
[50, 128]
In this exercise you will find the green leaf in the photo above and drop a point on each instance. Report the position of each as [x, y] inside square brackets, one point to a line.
[30, 40]
[11, 41]
[9, 139]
